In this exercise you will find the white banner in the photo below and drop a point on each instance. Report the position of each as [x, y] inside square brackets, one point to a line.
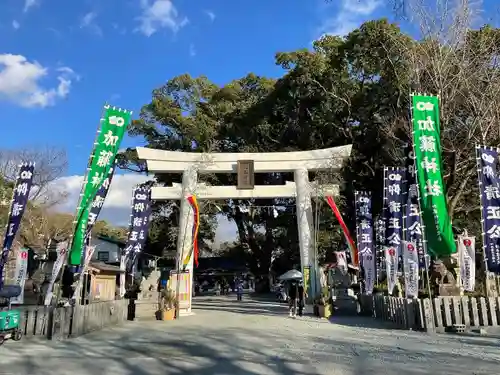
[368, 262]
[62, 251]
[467, 254]
[123, 264]
[20, 274]
[341, 261]
[410, 267]
[78, 289]
[391, 267]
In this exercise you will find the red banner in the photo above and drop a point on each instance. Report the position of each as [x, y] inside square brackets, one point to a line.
[347, 235]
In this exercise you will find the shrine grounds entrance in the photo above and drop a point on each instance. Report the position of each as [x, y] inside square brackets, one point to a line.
[245, 165]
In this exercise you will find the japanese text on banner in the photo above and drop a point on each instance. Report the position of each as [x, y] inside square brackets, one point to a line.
[364, 226]
[98, 201]
[412, 218]
[19, 201]
[410, 266]
[467, 254]
[489, 184]
[393, 207]
[391, 267]
[113, 127]
[427, 147]
[139, 224]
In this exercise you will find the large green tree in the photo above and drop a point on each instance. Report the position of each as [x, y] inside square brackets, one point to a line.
[354, 89]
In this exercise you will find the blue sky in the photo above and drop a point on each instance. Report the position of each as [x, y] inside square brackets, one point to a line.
[61, 60]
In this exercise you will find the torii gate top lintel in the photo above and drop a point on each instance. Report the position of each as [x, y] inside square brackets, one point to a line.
[161, 161]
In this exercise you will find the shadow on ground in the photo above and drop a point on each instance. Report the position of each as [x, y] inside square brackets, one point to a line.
[241, 352]
[229, 342]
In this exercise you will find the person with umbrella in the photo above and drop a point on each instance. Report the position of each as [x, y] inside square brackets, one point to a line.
[293, 277]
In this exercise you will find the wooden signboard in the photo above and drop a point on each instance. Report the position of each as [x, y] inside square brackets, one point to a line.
[246, 176]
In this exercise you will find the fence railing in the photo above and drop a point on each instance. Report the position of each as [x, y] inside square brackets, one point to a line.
[436, 315]
[72, 321]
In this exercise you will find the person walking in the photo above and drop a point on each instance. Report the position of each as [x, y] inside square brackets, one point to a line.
[292, 298]
[239, 290]
[302, 296]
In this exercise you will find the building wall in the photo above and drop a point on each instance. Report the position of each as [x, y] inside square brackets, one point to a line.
[105, 251]
[103, 287]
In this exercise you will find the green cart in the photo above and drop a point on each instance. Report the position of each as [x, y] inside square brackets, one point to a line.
[9, 319]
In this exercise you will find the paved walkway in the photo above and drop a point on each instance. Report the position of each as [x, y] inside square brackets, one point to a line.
[252, 337]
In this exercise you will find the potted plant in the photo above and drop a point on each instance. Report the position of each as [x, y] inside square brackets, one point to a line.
[167, 305]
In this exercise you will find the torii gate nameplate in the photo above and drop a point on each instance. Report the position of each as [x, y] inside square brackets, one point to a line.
[246, 175]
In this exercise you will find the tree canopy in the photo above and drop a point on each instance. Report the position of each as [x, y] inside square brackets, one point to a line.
[353, 89]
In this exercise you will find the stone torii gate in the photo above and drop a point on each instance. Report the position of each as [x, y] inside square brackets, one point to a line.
[190, 164]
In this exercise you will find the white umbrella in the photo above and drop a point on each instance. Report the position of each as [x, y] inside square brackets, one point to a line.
[291, 275]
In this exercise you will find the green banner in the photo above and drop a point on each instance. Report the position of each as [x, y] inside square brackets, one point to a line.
[428, 165]
[113, 127]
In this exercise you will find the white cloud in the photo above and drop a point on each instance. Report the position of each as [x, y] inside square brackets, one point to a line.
[116, 207]
[28, 4]
[158, 14]
[15, 24]
[88, 22]
[192, 50]
[210, 15]
[20, 82]
[350, 15]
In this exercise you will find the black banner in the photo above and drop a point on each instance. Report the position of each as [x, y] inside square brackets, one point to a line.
[19, 201]
[489, 187]
[364, 237]
[393, 207]
[413, 228]
[139, 224]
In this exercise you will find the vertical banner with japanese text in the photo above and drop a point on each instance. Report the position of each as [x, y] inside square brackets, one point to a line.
[489, 188]
[364, 231]
[427, 148]
[97, 203]
[393, 207]
[413, 228]
[391, 267]
[139, 224]
[380, 243]
[88, 253]
[21, 274]
[410, 266]
[20, 198]
[113, 127]
[467, 254]
[62, 252]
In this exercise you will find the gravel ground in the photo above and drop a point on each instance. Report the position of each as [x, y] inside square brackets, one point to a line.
[252, 337]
